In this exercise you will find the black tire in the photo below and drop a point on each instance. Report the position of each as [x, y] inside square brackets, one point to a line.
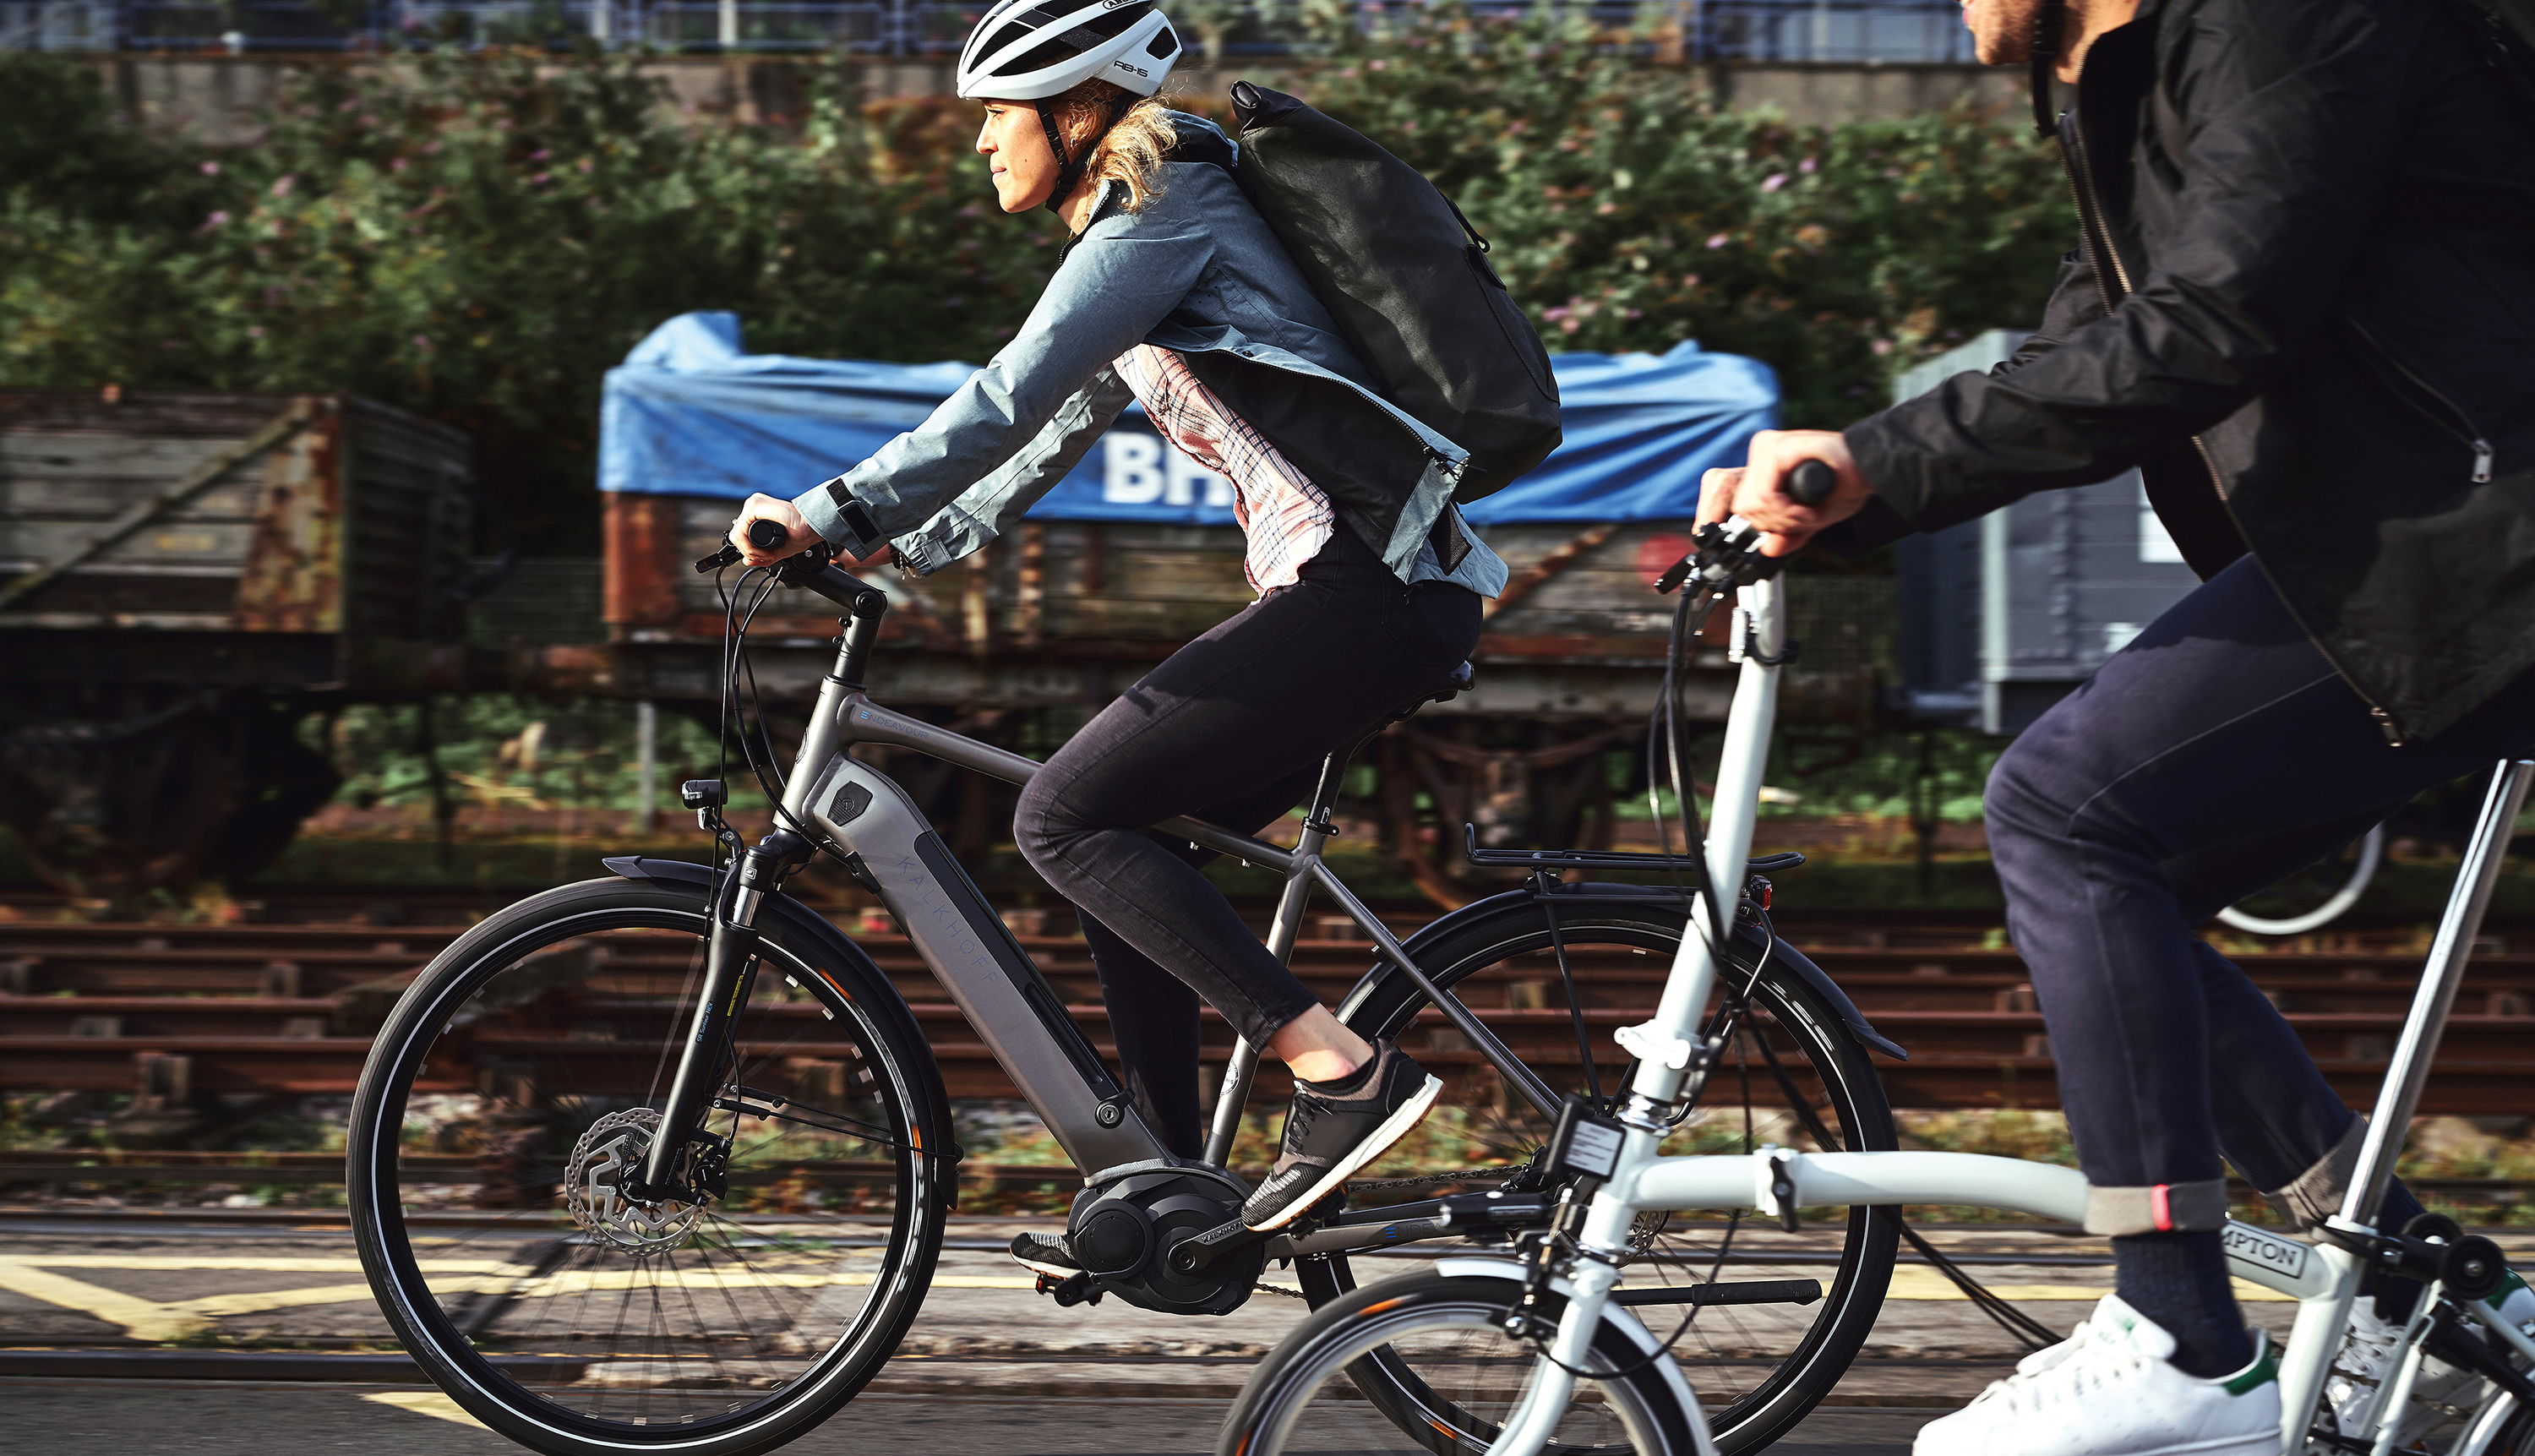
[1758, 1369]
[1318, 1390]
[737, 1327]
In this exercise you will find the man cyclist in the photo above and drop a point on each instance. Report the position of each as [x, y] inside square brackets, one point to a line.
[2302, 305]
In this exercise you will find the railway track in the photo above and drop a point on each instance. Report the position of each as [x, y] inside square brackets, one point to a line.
[289, 1010]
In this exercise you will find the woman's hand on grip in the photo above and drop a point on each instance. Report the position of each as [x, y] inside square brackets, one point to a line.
[797, 534]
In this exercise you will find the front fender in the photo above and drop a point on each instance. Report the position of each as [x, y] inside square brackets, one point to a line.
[1618, 1317]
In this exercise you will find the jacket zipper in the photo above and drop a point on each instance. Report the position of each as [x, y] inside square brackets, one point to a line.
[2099, 237]
[2454, 420]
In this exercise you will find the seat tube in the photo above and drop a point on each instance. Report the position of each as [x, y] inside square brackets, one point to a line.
[1242, 1071]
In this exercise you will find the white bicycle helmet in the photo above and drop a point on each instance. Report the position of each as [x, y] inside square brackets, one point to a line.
[1029, 50]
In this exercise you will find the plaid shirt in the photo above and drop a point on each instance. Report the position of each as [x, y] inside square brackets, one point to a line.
[1285, 517]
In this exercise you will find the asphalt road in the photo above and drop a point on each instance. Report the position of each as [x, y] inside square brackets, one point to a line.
[120, 1418]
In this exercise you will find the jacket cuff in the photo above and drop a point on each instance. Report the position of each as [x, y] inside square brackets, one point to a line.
[839, 519]
[1893, 469]
[919, 554]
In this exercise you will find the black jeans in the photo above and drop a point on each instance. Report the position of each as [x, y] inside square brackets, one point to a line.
[2216, 754]
[1230, 729]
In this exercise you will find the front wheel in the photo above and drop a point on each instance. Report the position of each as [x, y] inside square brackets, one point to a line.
[514, 1089]
[1323, 1389]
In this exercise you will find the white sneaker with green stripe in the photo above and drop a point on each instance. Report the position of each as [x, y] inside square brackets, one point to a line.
[2110, 1389]
[2371, 1354]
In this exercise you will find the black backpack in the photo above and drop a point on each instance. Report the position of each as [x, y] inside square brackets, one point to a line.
[1408, 281]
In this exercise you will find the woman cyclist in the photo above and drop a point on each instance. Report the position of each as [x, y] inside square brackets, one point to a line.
[1173, 291]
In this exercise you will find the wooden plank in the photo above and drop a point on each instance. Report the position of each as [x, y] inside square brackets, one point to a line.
[94, 498]
[189, 543]
[140, 460]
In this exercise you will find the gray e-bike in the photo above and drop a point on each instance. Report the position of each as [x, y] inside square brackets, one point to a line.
[661, 1161]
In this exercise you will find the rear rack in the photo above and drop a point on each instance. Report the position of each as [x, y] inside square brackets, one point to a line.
[1600, 859]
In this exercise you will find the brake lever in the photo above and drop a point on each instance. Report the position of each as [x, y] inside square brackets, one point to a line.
[1722, 555]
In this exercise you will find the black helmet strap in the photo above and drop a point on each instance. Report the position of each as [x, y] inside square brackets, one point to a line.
[2048, 23]
[1070, 169]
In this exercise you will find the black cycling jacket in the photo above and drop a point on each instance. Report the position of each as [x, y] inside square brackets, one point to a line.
[2303, 304]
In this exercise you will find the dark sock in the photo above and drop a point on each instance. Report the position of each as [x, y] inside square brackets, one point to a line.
[2396, 1298]
[1348, 1085]
[2179, 1281]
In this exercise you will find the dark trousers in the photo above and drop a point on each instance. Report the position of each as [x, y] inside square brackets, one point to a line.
[1230, 729]
[2216, 754]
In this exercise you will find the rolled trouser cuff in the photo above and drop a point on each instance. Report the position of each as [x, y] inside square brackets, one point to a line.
[2157, 1208]
[2316, 1194]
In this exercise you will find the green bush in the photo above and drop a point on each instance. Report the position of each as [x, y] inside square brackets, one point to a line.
[479, 237]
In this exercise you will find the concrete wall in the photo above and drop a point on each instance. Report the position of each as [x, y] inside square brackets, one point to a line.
[213, 95]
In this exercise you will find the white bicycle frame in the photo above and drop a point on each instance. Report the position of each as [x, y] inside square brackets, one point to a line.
[2322, 1278]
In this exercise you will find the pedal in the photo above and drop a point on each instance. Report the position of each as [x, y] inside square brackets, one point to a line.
[1073, 1290]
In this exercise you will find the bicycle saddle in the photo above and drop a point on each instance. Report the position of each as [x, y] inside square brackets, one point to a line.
[1463, 678]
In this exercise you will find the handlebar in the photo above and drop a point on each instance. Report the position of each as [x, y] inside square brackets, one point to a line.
[1810, 484]
[1722, 554]
[763, 534]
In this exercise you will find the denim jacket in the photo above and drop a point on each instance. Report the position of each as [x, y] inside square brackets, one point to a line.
[1197, 271]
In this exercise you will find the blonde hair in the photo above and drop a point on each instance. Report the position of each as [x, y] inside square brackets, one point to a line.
[1131, 154]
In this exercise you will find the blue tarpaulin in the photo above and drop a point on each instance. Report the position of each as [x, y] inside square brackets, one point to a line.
[688, 414]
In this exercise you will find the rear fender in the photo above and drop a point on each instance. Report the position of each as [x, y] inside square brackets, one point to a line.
[1745, 950]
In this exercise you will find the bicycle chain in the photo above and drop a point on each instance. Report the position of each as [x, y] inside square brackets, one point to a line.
[1433, 1179]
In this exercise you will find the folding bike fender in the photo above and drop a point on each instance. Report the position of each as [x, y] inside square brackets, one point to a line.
[1521, 905]
[870, 988]
[1617, 1315]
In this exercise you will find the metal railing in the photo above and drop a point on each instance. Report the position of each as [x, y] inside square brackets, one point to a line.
[1801, 30]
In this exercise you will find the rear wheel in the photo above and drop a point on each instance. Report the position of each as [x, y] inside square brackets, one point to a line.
[1757, 1367]
[517, 1085]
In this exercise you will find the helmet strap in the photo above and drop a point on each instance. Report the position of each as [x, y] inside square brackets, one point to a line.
[2048, 23]
[1070, 169]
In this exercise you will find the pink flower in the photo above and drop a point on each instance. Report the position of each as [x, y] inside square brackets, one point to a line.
[1806, 166]
[540, 155]
[210, 169]
[213, 221]
[1883, 346]
[396, 165]
[1774, 181]
[584, 163]
[281, 188]
[1571, 325]
[255, 330]
[1377, 64]
[540, 179]
[1717, 241]
[422, 342]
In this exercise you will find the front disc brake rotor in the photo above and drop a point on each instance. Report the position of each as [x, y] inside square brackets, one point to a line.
[606, 1158]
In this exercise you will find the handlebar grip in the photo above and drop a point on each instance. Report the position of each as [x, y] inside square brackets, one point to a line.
[766, 534]
[1810, 484]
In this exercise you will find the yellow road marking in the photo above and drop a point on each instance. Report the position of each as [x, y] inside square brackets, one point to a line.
[426, 1403]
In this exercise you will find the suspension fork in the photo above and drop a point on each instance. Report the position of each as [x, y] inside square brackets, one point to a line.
[730, 966]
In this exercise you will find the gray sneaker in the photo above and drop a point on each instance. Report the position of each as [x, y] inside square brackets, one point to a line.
[1327, 1138]
[1046, 1256]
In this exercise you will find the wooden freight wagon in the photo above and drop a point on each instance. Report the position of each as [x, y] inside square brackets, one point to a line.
[181, 576]
[1026, 637]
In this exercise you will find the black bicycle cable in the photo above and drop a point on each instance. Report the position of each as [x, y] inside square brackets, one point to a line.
[1664, 729]
[2022, 1327]
[736, 661]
